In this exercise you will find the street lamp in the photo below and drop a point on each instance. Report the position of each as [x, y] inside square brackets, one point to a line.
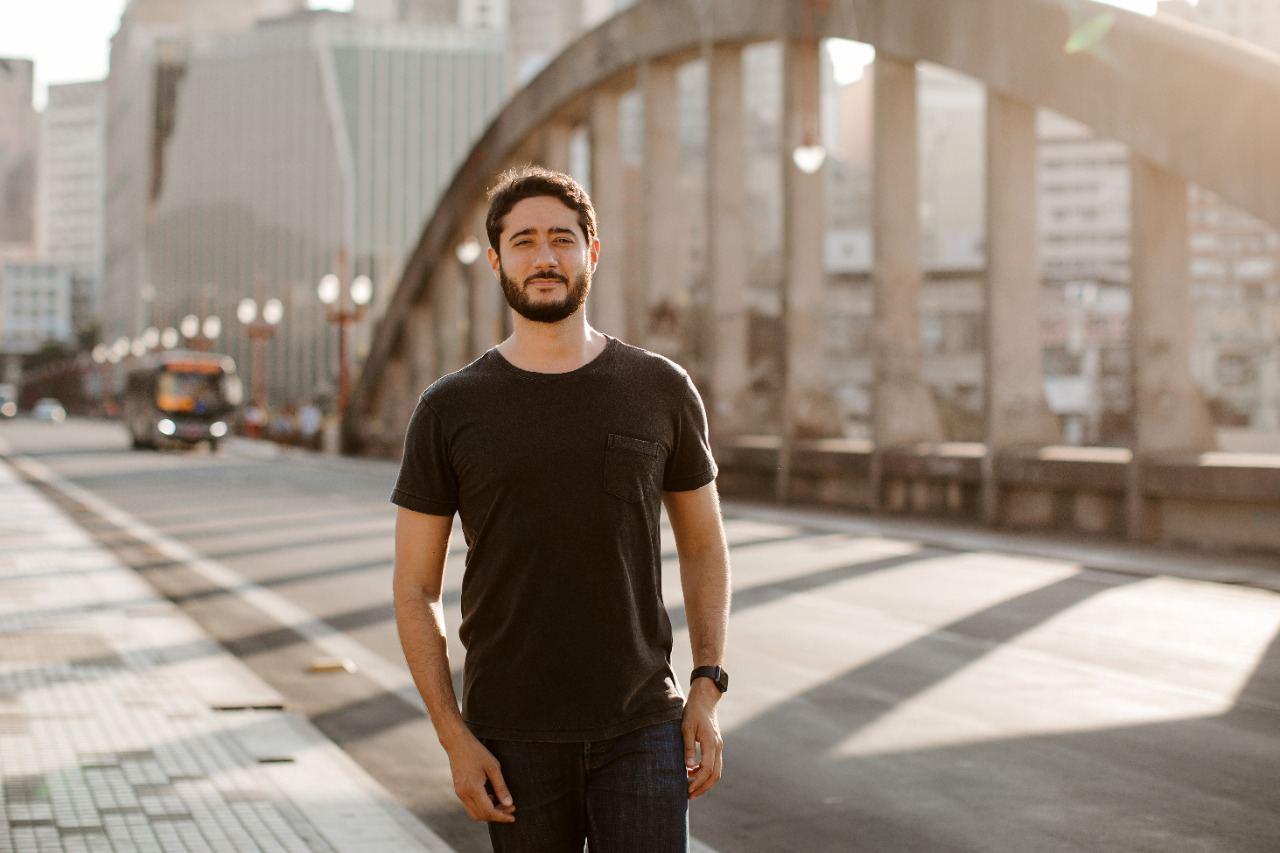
[330, 292]
[260, 331]
[201, 334]
[101, 355]
[212, 327]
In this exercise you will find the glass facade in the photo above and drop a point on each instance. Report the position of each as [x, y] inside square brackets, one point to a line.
[287, 138]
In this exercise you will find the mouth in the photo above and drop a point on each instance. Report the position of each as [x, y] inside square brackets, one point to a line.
[544, 282]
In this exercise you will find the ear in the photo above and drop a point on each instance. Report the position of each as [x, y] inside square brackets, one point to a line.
[593, 253]
[495, 263]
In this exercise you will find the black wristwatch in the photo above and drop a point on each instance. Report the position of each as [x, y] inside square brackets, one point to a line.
[715, 673]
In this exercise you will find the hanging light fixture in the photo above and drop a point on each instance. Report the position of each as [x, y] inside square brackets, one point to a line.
[468, 251]
[809, 155]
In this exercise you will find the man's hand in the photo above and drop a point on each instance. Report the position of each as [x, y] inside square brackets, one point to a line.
[473, 766]
[702, 730]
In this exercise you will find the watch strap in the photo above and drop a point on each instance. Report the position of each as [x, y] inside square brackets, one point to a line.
[716, 673]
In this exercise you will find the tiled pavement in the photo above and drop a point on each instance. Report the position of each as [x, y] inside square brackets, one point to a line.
[124, 727]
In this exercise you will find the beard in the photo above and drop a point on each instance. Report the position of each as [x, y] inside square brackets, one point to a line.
[544, 310]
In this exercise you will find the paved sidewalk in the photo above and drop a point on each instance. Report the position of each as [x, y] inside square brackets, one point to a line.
[124, 727]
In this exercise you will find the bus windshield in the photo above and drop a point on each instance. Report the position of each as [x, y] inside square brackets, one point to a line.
[190, 393]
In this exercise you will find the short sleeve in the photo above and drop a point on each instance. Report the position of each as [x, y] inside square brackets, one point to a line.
[690, 464]
[427, 481]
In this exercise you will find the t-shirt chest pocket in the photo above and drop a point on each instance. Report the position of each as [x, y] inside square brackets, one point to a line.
[632, 467]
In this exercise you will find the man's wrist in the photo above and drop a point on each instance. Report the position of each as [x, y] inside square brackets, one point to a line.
[452, 733]
[704, 689]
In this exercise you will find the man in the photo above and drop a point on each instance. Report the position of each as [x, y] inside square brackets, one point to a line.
[555, 448]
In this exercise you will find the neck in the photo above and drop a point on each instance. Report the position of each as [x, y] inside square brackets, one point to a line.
[552, 347]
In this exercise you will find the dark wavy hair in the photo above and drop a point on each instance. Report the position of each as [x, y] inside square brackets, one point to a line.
[515, 185]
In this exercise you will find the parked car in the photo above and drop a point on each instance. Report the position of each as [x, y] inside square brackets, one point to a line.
[49, 409]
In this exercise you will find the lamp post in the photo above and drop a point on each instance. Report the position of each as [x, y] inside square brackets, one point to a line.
[260, 331]
[201, 334]
[101, 354]
[330, 292]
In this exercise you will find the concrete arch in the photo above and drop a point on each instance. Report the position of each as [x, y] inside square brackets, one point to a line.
[1190, 102]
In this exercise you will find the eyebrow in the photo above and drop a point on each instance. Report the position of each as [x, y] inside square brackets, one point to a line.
[528, 232]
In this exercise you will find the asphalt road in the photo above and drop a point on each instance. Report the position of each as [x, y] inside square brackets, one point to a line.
[888, 695]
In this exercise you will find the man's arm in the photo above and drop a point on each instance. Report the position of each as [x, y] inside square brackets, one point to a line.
[704, 575]
[422, 542]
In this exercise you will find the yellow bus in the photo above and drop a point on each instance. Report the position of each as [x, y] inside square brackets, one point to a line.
[181, 397]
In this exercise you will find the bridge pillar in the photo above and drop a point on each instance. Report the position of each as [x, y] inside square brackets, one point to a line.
[610, 306]
[1169, 413]
[396, 406]
[486, 304]
[729, 254]
[451, 314]
[419, 345]
[1016, 411]
[556, 137]
[808, 410]
[660, 322]
[903, 410]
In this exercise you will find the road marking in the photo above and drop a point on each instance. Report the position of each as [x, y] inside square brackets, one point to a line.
[392, 678]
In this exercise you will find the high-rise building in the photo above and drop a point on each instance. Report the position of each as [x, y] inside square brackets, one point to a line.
[19, 134]
[37, 306]
[1235, 270]
[534, 30]
[71, 190]
[148, 56]
[203, 16]
[313, 143]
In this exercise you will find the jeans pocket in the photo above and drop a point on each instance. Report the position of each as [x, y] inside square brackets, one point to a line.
[631, 467]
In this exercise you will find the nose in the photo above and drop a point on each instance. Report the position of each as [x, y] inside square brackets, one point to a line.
[545, 257]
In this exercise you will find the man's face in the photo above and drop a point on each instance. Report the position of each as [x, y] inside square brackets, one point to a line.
[546, 264]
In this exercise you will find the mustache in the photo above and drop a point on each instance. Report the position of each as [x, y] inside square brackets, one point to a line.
[548, 276]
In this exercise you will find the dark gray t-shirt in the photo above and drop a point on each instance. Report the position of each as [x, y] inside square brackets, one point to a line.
[558, 480]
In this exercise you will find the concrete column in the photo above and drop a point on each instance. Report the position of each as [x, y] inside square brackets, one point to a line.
[729, 249]
[903, 410]
[1169, 413]
[661, 208]
[487, 303]
[1016, 411]
[609, 301]
[395, 408]
[728, 252]
[451, 315]
[556, 136]
[420, 346]
[807, 407]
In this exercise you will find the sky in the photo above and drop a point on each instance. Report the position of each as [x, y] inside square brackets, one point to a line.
[70, 40]
[70, 52]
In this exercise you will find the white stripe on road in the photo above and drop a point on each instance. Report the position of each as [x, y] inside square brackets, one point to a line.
[392, 678]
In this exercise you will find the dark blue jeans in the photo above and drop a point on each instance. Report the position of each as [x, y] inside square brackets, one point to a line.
[623, 794]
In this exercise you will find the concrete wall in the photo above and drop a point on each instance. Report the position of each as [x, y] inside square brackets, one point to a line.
[1212, 501]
